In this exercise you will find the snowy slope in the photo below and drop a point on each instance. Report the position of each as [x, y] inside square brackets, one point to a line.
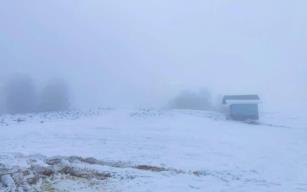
[165, 150]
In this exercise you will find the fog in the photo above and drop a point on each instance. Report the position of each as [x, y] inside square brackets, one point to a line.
[138, 53]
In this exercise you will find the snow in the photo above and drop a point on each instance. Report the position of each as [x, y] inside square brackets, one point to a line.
[198, 151]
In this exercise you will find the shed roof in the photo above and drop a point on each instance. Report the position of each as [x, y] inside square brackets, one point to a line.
[240, 98]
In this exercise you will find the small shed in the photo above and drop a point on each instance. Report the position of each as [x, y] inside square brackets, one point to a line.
[242, 107]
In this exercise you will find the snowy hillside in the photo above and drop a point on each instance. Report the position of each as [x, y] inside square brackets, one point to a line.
[149, 150]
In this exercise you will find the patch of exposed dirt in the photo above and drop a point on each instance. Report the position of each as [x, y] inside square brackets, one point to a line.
[73, 173]
[40, 175]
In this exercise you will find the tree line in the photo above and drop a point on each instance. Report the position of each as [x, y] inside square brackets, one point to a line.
[21, 95]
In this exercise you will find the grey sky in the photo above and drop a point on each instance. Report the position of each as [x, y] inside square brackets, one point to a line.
[135, 53]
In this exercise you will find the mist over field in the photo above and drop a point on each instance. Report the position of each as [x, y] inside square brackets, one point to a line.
[137, 53]
[153, 95]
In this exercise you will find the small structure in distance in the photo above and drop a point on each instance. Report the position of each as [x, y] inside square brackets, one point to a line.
[242, 107]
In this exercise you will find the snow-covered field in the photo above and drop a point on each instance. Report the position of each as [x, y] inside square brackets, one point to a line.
[150, 150]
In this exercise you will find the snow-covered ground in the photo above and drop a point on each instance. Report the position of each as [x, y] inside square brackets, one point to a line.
[150, 150]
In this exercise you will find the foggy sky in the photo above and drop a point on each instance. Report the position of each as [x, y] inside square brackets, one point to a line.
[141, 53]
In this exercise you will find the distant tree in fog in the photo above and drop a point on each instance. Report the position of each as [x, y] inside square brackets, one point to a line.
[20, 95]
[55, 97]
[200, 100]
[1, 101]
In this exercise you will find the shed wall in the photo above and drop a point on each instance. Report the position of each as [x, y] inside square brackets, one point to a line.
[244, 111]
